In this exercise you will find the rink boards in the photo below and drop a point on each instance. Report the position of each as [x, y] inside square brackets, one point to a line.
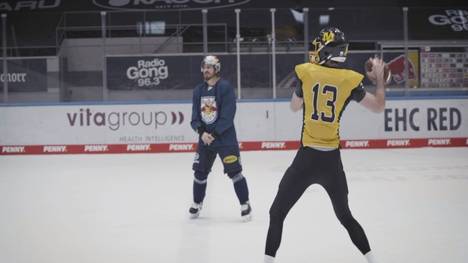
[260, 125]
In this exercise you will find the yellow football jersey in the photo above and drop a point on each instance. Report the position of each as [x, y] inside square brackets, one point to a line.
[326, 92]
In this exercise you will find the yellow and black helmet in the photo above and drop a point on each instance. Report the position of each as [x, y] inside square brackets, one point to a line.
[329, 45]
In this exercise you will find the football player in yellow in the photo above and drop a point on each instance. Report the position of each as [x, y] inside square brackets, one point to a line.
[323, 92]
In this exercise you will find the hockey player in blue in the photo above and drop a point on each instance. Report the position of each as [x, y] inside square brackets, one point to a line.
[213, 110]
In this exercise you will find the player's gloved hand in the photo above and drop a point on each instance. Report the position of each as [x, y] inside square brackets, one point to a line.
[207, 138]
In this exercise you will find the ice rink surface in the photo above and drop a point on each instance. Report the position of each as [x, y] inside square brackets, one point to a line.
[132, 208]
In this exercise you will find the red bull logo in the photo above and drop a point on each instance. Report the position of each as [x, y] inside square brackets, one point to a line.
[397, 67]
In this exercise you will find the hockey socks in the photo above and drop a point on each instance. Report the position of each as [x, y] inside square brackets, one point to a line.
[199, 186]
[240, 186]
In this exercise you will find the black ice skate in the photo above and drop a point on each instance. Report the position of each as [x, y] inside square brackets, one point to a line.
[195, 210]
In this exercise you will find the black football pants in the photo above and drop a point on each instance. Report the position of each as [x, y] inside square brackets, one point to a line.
[311, 166]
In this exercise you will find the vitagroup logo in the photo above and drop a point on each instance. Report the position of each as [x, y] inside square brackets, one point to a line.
[167, 4]
[116, 120]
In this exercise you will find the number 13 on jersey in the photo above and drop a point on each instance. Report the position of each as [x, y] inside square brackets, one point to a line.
[323, 101]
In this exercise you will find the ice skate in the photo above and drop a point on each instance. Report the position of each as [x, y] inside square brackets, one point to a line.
[195, 210]
[246, 212]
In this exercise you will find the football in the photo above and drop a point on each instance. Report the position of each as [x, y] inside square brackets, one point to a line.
[368, 68]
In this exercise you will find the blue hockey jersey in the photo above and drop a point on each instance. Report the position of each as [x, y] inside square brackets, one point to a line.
[213, 111]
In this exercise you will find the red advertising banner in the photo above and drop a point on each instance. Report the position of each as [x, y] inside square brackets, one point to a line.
[244, 146]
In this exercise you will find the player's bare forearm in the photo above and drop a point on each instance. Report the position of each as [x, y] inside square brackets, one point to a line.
[376, 103]
[296, 102]
[380, 94]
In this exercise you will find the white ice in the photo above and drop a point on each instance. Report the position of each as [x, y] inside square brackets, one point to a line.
[412, 203]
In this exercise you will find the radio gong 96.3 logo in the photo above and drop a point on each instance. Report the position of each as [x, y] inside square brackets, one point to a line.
[148, 73]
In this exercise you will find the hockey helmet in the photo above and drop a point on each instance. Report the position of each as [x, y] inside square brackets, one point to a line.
[211, 61]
